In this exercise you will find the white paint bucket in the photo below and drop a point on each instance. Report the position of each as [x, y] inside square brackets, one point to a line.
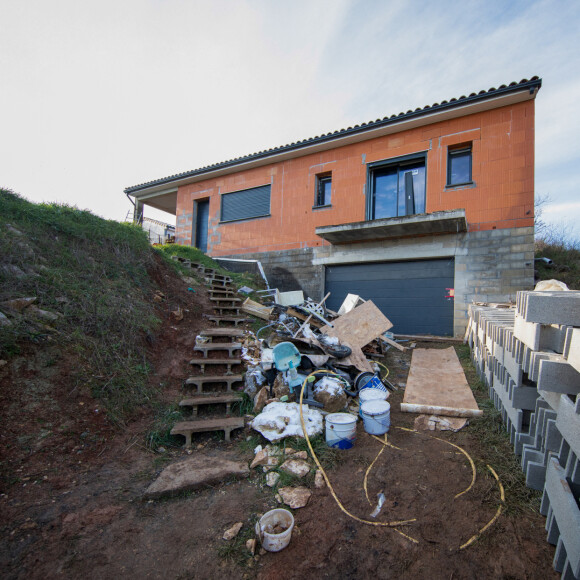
[275, 529]
[370, 395]
[340, 430]
[376, 416]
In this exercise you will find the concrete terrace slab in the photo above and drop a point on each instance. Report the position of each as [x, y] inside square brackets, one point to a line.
[442, 222]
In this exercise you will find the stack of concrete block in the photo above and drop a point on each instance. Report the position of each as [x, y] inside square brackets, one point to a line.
[529, 357]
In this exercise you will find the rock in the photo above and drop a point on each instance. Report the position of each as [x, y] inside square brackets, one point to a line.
[278, 498]
[272, 478]
[263, 458]
[289, 451]
[13, 230]
[233, 531]
[44, 315]
[330, 392]
[195, 472]
[251, 546]
[13, 270]
[4, 321]
[19, 304]
[295, 497]
[260, 399]
[297, 467]
[3, 362]
[300, 455]
[280, 388]
[319, 482]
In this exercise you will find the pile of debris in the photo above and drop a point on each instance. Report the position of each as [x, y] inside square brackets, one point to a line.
[314, 354]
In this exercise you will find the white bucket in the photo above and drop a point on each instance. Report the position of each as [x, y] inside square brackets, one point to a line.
[275, 529]
[376, 416]
[370, 395]
[340, 430]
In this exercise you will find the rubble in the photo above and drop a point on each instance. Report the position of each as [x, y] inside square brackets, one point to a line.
[298, 467]
[295, 497]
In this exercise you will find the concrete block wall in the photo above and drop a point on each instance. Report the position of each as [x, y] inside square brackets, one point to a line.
[287, 271]
[538, 395]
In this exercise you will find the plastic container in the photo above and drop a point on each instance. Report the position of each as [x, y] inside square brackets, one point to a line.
[376, 416]
[370, 395]
[369, 380]
[275, 529]
[340, 430]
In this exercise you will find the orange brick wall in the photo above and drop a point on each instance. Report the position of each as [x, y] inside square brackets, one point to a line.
[503, 173]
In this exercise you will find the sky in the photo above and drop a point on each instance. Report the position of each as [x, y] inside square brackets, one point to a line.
[96, 96]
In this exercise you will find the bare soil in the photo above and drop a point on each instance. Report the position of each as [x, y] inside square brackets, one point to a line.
[71, 490]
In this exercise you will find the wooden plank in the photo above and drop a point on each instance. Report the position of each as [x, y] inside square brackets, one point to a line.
[387, 340]
[359, 326]
[300, 316]
[256, 309]
[437, 385]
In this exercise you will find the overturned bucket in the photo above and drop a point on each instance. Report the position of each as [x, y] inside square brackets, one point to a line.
[376, 416]
[340, 430]
[275, 529]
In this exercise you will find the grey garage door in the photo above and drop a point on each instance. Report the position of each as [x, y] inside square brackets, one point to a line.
[414, 296]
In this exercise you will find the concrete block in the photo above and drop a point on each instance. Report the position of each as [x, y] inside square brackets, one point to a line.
[564, 507]
[568, 423]
[572, 348]
[559, 377]
[550, 307]
[524, 397]
[540, 336]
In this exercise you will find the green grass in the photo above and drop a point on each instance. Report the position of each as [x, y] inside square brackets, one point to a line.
[235, 550]
[497, 451]
[94, 274]
[565, 267]
[165, 418]
[196, 255]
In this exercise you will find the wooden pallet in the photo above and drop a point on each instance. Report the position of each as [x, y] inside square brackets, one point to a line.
[187, 428]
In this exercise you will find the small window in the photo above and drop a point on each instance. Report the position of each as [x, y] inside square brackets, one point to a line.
[246, 204]
[459, 165]
[323, 190]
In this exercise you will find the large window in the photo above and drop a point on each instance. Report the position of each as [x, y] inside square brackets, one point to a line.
[246, 204]
[323, 189]
[459, 165]
[396, 188]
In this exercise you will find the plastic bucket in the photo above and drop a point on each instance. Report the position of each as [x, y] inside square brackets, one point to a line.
[369, 381]
[340, 430]
[275, 529]
[376, 416]
[370, 395]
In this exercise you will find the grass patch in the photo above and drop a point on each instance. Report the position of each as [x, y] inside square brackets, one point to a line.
[195, 255]
[565, 266]
[159, 434]
[235, 550]
[245, 406]
[93, 276]
[497, 450]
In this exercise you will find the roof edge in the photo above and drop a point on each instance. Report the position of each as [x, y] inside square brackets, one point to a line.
[533, 85]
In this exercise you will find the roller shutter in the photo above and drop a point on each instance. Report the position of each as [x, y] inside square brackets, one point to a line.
[414, 295]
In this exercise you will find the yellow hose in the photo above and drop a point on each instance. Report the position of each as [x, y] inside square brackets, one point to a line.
[382, 365]
[497, 513]
[338, 502]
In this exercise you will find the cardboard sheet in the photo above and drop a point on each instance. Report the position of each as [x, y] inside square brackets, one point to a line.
[359, 326]
[437, 385]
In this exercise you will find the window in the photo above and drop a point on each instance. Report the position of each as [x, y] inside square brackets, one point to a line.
[459, 165]
[323, 190]
[246, 204]
[396, 187]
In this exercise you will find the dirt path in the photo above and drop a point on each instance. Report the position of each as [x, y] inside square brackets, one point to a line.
[72, 485]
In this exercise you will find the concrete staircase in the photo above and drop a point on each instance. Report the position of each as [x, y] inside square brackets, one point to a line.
[220, 349]
[529, 358]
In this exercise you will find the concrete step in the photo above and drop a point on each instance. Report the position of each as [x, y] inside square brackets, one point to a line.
[210, 346]
[229, 362]
[227, 425]
[229, 299]
[227, 310]
[233, 319]
[195, 402]
[222, 332]
[200, 380]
